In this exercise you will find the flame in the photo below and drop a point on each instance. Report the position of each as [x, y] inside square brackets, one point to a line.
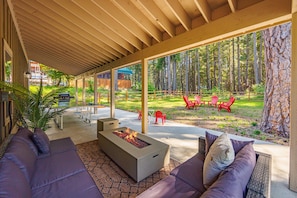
[131, 136]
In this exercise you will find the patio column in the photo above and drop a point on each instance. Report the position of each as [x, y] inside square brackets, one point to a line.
[144, 96]
[95, 92]
[84, 91]
[76, 92]
[293, 110]
[112, 93]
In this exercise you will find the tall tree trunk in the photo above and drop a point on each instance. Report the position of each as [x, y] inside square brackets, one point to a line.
[198, 70]
[247, 62]
[238, 67]
[173, 73]
[275, 118]
[260, 57]
[186, 63]
[163, 77]
[191, 72]
[219, 66]
[230, 70]
[233, 66]
[207, 69]
[168, 74]
[256, 66]
[214, 67]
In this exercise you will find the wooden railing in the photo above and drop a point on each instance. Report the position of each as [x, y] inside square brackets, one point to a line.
[127, 95]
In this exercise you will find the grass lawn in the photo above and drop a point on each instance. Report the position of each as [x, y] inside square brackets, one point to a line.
[244, 119]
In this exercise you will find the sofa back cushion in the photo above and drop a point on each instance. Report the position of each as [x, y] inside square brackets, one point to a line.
[25, 135]
[191, 172]
[232, 181]
[23, 156]
[237, 144]
[13, 182]
[41, 140]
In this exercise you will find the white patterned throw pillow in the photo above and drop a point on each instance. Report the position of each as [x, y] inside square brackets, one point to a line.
[220, 156]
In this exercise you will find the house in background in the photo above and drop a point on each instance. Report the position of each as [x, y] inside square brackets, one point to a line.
[37, 74]
[123, 80]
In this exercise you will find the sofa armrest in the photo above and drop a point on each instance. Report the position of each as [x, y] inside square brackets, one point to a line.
[4, 145]
[259, 183]
[201, 145]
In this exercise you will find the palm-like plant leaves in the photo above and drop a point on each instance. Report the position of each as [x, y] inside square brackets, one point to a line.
[33, 110]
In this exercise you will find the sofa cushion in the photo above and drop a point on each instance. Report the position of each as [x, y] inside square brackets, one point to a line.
[236, 175]
[58, 167]
[25, 135]
[41, 141]
[171, 187]
[237, 144]
[191, 172]
[13, 182]
[62, 145]
[22, 155]
[220, 155]
[77, 185]
[59, 146]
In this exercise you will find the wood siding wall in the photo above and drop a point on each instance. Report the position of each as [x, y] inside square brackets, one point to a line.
[10, 39]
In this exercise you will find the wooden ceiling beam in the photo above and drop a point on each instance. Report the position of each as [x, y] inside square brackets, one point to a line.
[180, 13]
[126, 22]
[96, 16]
[67, 68]
[204, 9]
[265, 14]
[43, 23]
[294, 6]
[139, 18]
[60, 53]
[61, 24]
[81, 27]
[232, 5]
[68, 44]
[157, 14]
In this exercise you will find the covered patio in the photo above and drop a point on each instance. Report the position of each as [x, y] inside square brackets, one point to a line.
[182, 138]
[84, 38]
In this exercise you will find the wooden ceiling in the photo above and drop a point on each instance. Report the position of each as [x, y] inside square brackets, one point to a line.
[85, 36]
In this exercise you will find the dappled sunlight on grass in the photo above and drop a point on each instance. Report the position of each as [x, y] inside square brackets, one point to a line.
[244, 119]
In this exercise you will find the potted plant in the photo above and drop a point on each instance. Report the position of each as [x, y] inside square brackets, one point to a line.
[33, 109]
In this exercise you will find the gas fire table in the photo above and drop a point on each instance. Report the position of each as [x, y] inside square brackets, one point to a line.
[140, 162]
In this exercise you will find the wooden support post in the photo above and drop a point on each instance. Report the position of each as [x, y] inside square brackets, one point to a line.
[84, 91]
[95, 93]
[144, 96]
[293, 110]
[112, 93]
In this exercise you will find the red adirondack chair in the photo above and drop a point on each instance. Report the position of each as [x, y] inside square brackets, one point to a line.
[139, 114]
[159, 114]
[198, 101]
[227, 105]
[214, 101]
[189, 103]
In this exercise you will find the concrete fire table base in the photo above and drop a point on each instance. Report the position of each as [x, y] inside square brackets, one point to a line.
[138, 163]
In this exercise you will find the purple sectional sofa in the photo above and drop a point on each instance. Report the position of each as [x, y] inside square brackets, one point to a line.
[243, 178]
[26, 172]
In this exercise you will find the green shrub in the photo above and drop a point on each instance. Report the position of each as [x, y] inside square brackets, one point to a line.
[257, 132]
[258, 88]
